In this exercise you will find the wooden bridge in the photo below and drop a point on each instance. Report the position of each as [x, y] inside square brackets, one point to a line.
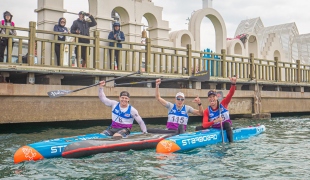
[264, 86]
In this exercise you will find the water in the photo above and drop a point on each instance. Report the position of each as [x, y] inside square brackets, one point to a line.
[282, 152]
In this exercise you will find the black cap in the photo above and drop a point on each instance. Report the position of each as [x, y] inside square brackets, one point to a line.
[211, 92]
[124, 93]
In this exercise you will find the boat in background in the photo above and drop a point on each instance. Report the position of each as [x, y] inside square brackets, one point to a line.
[188, 141]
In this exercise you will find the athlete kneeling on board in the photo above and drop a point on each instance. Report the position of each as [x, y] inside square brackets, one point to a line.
[123, 114]
[211, 115]
[178, 112]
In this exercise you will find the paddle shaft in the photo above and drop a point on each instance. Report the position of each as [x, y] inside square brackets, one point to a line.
[59, 93]
[105, 81]
[200, 77]
[144, 82]
[220, 100]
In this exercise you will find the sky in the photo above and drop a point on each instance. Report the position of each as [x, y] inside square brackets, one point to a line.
[271, 12]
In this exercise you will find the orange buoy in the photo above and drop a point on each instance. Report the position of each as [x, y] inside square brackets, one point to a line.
[27, 153]
[167, 146]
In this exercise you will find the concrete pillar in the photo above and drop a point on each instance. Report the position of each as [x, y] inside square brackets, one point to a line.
[196, 85]
[190, 85]
[212, 85]
[96, 79]
[238, 86]
[54, 79]
[109, 84]
[300, 89]
[3, 76]
[148, 85]
[223, 86]
[30, 78]
[48, 14]
[252, 87]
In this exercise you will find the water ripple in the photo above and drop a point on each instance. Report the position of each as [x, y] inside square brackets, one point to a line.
[282, 152]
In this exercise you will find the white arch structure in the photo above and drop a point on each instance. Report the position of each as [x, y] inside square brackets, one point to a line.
[218, 23]
[262, 41]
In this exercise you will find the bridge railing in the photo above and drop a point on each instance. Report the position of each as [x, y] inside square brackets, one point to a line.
[147, 57]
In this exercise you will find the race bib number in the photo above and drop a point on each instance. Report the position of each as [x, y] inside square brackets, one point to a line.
[178, 119]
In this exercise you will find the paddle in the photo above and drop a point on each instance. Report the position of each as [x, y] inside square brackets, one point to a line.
[202, 76]
[58, 93]
[219, 95]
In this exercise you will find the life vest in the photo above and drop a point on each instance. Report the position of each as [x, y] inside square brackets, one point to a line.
[216, 114]
[121, 119]
[176, 117]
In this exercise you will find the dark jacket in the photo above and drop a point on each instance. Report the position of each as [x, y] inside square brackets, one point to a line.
[60, 28]
[121, 36]
[83, 26]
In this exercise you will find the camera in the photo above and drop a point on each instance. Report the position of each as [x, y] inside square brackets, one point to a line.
[118, 37]
[84, 13]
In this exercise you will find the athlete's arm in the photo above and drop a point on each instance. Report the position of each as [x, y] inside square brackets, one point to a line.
[230, 94]
[205, 120]
[137, 117]
[157, 94]
[104, 99]
[194, 111]
[227, 99]
[200, 108]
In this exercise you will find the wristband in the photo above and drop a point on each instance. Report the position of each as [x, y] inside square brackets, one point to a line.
[199, 104]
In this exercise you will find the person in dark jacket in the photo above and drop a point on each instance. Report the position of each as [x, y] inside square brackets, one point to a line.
[119, 36]
[80, 26]
[7, 21]
[60, 28]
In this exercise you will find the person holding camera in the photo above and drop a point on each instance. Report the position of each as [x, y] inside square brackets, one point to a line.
[7, 21]
[80, 26]
[119, 36]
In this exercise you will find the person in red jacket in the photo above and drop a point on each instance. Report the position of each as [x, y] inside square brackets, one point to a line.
[212, 117]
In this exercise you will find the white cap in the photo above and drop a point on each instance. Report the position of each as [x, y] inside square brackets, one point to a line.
[180, 94]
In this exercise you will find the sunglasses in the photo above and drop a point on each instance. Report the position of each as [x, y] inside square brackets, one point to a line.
[180, 99]
[62, 21]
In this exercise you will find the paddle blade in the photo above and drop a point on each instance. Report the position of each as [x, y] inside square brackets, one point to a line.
[201, 76]
[219, 95]
[58, 93]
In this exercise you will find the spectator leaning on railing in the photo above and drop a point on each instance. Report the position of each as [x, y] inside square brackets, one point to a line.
[80, 26]
[7, 21]
[119, 36]
[60, 28]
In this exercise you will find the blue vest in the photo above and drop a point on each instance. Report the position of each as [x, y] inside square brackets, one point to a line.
[176, 117]
[121, 119]
[216, 114]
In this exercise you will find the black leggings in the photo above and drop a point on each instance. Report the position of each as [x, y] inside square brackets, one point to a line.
[110, 132]
[116, 56]
[57, 51]
[226, 126]
[4, 43]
